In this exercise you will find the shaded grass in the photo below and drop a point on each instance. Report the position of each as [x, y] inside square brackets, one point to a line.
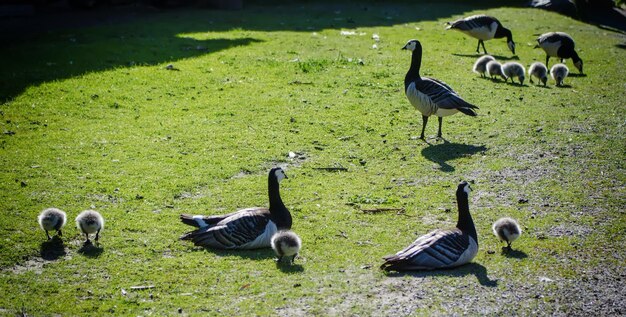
[142, 144]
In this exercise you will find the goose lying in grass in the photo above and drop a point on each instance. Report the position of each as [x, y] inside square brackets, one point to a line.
[561, 45]
[286, 243]
[52, 219]
[440, 249]
[249, 228]
[539, 71]
[495, 69]
[431, 96]
[558, 72]
[483, 28]
[90, 221]
[514, 69]
[507, 230]
[480, 66]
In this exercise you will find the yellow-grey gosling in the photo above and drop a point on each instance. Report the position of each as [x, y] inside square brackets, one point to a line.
[495, 69]
[52, 219]
[286, 243]
[558, 72]
[480, 66]
[90, 221]
[514, 69]
[539, 71]
[507, 230]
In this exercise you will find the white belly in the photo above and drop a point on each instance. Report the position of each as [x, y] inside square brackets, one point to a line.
[421, 101]
[483, 33]
[551, 48]
[263, 240]
[468, 255]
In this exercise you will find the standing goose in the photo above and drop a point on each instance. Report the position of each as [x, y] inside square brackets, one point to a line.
[431, 96]
[507, 230]
[561, 45]
[249, 228]
[440, 249]
[483, 28]
[286, 244]
[52, 219]
[90, 221]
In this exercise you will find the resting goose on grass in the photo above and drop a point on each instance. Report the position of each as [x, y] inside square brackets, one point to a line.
[561, 45]
[483, 28]
[90, 221]
[249, 228]
[495, 69]
[514, 69]
[286, 243]
[480, 66]
[558, 72]
[440, 249]
[52, 219]
[507, 230]
[431, 96]
[538, 70]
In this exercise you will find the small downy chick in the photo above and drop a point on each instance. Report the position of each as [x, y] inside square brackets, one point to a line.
[558, 72]
[480, 67]
[286, 243]
[507, 230]
[495, 69]
[90, 221]
[52, 219]
[538, 70]
[514, 69]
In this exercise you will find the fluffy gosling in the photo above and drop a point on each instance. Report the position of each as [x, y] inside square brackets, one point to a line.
[514, 69]
[52, 219]
[558, 72]
[90, 221]
[507, 229]
[495, 69]
[480, 67]
[538, 70]
[286, 243]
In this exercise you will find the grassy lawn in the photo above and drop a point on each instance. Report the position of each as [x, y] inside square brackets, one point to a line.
[91, 118]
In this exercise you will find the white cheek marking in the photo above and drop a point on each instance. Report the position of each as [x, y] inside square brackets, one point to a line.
[199, 221]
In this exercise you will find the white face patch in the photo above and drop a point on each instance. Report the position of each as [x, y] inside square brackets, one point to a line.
[511, 46]
[280, 174]
[411, 45]
[467, 189]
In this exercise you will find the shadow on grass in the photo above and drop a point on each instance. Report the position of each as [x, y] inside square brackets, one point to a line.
[498, 57]
[90, 250]
[577, 75]
[510, 253]
[289, 268]
[53, 249]
[57, 44]
[563, 86]
[442, 153]
[469, 269]
[256, 254]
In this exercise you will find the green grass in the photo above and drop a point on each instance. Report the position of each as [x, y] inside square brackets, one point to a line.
[92, 119]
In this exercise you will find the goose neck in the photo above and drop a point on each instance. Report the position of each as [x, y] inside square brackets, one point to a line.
[414, 70]
[465, 222]
[277, 207]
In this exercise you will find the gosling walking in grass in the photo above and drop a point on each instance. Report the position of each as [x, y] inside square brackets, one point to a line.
[495, 69]
[539, 71]
[52, 219]
[286, 243]
[480, 66]
[507, 230]
[90, 221]
[513, 70]
[558, 72]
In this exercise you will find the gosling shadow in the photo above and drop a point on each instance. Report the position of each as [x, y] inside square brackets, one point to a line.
[90, 250]
[444, 152]
[469, 269]
[577, 75]
[621, 45]
[289, 268]
[510, 253]
[256, 254]
[52, 249]
[563, 86]
[498, 57]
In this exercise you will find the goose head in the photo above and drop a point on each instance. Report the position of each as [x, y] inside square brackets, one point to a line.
[511, 45]
[411, 45]
[579, 65]
[464, 187]
[278, 173]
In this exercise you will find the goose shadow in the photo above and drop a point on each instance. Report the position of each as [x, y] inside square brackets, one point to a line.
[255, 254]
[563, 86]
[577, 75]
[442, 153]
[52, 249]
[510, 253]
[90, 250]
[621, 45]
[498, 57]
[289, 268]
[475, 269]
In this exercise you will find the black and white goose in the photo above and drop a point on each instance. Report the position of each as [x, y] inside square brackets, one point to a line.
[483, 28]
[249, 228]
[507, 230]
[52, 219]
[440, 249]
[561, 45]
[431, 96]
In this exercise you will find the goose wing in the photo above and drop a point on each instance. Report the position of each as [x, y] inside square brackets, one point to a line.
[472, 22]
[200, 221]
[437, 249]
[442, 95]
[247, 229]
